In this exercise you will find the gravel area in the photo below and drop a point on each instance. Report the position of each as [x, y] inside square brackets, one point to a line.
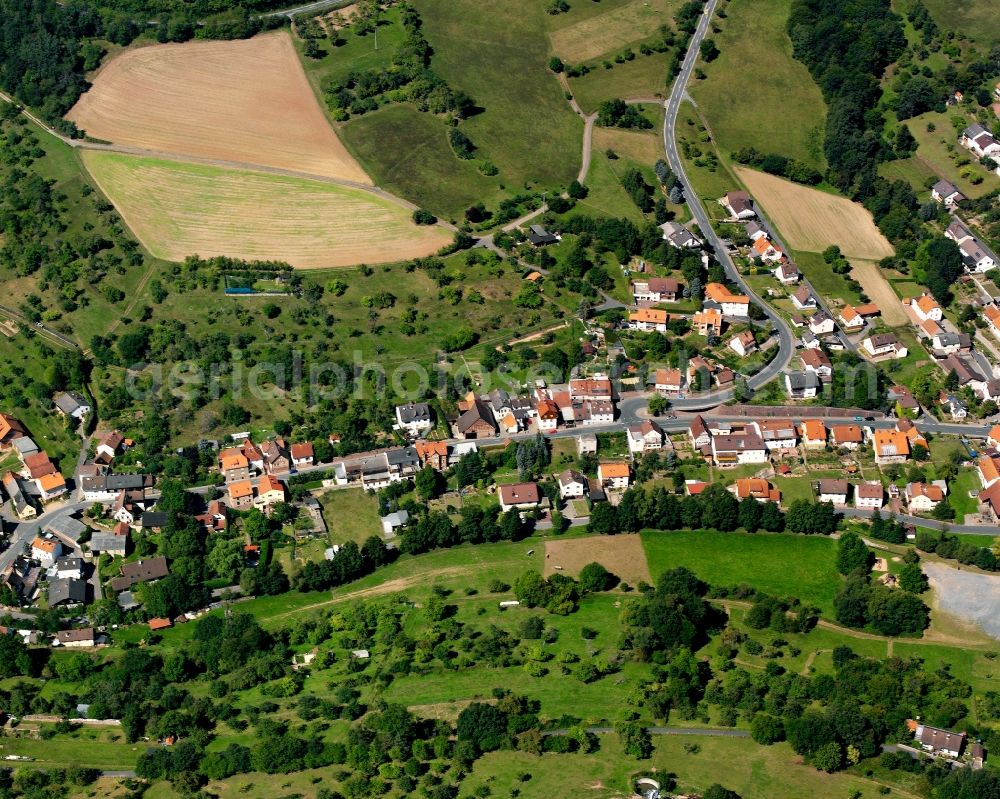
[969, 596]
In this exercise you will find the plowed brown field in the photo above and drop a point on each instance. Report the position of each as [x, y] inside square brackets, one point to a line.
[247, 102]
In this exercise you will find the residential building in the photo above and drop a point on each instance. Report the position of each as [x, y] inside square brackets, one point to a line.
[953, 404]
[756, 488]
[302, 455]
[65, 528]
[924, 497]
[948, 343]
[978, 140]
[614, 474]
[801, 385]
[240, 494]
[24, 447]
[114, 545]
[988, 469]
[755, 230]
[391, 522]
[698, 431]
[51, 486]
[645, 437]
[946, 192]
[765, 249]
[19, 502]
[539, 236]
[850, 319]
[10, 428]
[656, 289]
[803, 299]
[38, 465]
[46, 550]
[847, 436]
[234, 465]
[596, 388]
[586, 444]
[821, 323]
[477, 421]
[414, 418]
[669, 382]
[833, 491]
[957, 231]
[967, 374]
[521, 496]
[71, 404]
[813, 433]
[679, 236]
[975, 258]
[890, 446]
[648, 320]
[869, 495]
[926, 307]
[66, 591]
[707, 322]
[738, 204]
[268, 492]
[140, 571]
[277, 459]
[741, 447]
[743, 344]
[729, 304]
[787, 273]
[815, 360]
[101, 487]
[548, 415]
[108, 447]
[938, 741]
[778, 434]
[884, 345]
[68, 567]
[992, 314]
[76, 638]
[572, 484]
[592, 412]
[993, 437]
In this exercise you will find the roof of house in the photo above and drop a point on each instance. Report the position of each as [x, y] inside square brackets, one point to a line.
[833, 486]
[868, 309]
[645, 428]
[745, 338]
[571, 476]
[160, 624]
[414, 412]
[926, 303]
[939, 739]
[49, 545]
[738, 442]
[798, 380]
[478, 413]
[850, 314]
[10, 427]
[880, 340]
[717, 292]
[269, 483]
[663, 285]
[698, 427]
[69, 402]
[739, 201]
[758, 488]
[776, 428]
[649, 316]
[612, 469]
[112, 440]
[710, 316]
[945, 188]
[591, 386]
[803, 295]
[813, 429]
[815, 358]
[668, 377]
[992, 313]
[51, 482]
[102, 542]
[149, 569]
[869, 490]
[520, 494]
[933, 492]
[304, 450]
[232, 459]
[243, 488]
[67, 636]
[787, 268]
[67, 589]
[963, 369]
[38, 464]
[891, 442]
[846, 434]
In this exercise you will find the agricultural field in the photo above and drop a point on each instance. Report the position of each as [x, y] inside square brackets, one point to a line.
[245, 102]
[870, 276]
[179, 209]
[755, 94]
[812, 220]
[584, 35]
[622, 555]
[783, 565]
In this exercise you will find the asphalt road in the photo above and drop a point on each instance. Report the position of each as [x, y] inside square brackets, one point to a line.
[786, 340]
[309, 8]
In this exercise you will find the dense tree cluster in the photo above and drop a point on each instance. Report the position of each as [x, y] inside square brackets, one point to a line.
[619, 114]
[949, 546]
[778, 165]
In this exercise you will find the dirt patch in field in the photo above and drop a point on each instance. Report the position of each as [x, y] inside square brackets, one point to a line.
[622, 555]
[870, 276]
[177, 209]
[610, 31]
[812, 220]
[444, 711]
[970, 597]
[242, 101]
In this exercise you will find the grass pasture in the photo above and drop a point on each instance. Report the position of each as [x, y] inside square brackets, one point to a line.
[755, 94]
[812, 220]
[616, 26]
[976, 20]
[645, 76]
[178, 209]
[351, 515]
[240, 101]
[622, 555]
[784, 565]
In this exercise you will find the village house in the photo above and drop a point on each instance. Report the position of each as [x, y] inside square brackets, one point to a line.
[992, 314]
[109, 447]
[989, 502]
[668, 382]
[240, 494]
[595, 388]
[37, 465]
[738, 204]
[817, 361]
[979, 141]
[967, 374]
[114, 544]
[521, 496]
[926, 307]
[821, 323]
[46, 550]
[813, 433]
[656, 289]
[743, 344]
[268, 492]
[24, 447]
[975, 258]
[100, 487]
[904, 402]
[869, 495]
[766, 250]
[548, 415]
[698, 431]
[707, 322]
[946, 192]
[734, 448]
[71, 404]
[303, 455]
[19, 502]
[803, 299]
[755, 230]
[414, 418]
[988, 469]
[957, 231]
[779, 435]
[937, 741]
[10, 429]
[63, 592]
[128, 506]
[645, 437]
[953, 405]
[572, 484]
[276, 457]
[833, 491]
[586, 444]
[787, 273]
[614, 474]
[392, 522]
[539, 236]
[592, 412]
[846, 436]
[719, 296]
[949, 343]
[648, 320]
[884, 345]
[890, 446]
[850, 319]
[993, 436]
[51, 486]
[76, 638]
[234, 465]
[924, 497]
[140, 571]
[477, 421]
[756, 488]
[679, 236]
[801, 385]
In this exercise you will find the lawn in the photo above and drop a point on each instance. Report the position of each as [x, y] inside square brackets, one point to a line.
[793, 488]
[755, 94]
[88, 746]
[784, 565]
[407, 152]
[824, 279]
[351, 514]
[958, 493]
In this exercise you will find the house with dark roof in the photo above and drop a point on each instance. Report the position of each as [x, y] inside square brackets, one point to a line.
[939, 741]
[141, 571]
[477, 421]
[66, 591]
[538, 236]
[72, 404]
[738, 204]
[944, 191]
[414, 418]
